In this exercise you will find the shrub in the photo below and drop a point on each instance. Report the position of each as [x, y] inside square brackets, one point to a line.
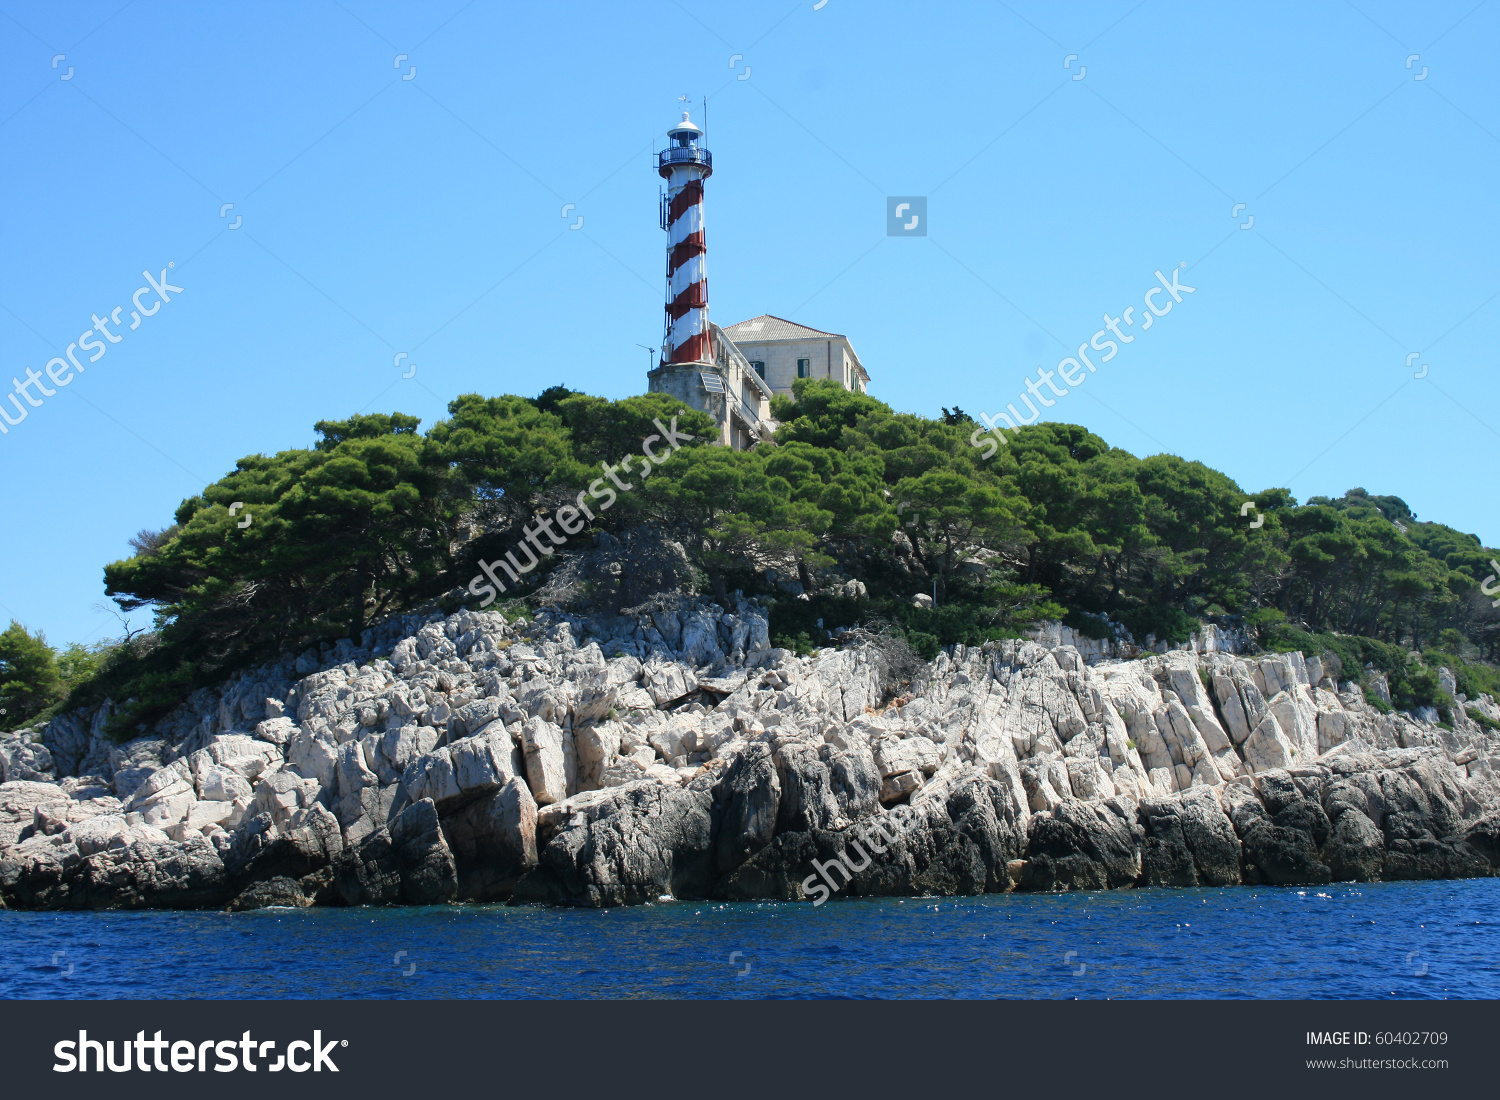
[926, 645]
[812, 617]
[902, 662]
[1420, 687]
[1484, 720]
[800, 644]
[1167, 624]
[1262, 619]
[1089, 625]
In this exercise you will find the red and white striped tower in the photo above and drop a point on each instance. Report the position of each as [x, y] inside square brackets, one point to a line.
[685, 164]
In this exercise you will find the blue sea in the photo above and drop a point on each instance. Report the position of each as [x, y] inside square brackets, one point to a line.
[1393, 940]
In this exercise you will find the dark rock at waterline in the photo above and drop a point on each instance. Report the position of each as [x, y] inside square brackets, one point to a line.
[1083, 846]
[182, 875]
[1484, 837]
[1166, 859]
[641, 842]
[1277, 852]
[746, 804]
[493, 841]
[980, 813]
[777, 871]
[408, 863]
[278, 892]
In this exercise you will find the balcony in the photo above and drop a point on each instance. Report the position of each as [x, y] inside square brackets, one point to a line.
[692, 154]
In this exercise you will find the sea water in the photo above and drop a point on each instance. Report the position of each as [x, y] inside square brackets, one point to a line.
[1377, 940]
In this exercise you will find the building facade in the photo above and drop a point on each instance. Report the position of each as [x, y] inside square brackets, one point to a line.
[782, 351]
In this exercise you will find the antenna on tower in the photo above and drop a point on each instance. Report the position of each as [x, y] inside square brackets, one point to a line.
[705, 119]
[650, 355]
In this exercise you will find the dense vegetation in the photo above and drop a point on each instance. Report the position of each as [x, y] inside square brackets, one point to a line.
[378, 517]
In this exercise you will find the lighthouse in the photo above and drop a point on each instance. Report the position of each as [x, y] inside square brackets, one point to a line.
[703, 365]
[699, 364]
[685, 163]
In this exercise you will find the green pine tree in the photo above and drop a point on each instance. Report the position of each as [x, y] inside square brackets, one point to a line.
[29, 677]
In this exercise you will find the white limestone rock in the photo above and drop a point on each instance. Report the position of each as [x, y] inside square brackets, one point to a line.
[894, 756]
[487, 760]
[354, 779]
[281, 794]
[1232, 707]
[549, 768]
[278, 730]
[205, 816]
[245, 756]
[667, 681]
[1087, 779]
[1268, 747]
[97, 833]
[431, 776]
[895, 787]
[314, 755]
[597, 748]
[1297, 718]
[219, 784]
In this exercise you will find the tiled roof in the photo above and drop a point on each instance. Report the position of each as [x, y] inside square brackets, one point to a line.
[767, 327]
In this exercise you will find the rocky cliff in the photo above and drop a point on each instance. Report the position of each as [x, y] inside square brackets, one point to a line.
[613, 760]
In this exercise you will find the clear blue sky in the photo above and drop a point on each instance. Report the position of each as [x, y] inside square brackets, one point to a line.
[383, 215]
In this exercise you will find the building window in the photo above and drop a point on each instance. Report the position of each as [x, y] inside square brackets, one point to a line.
[804, 368]
[758, 368]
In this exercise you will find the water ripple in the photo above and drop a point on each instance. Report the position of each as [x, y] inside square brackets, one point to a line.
[1382, 940]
